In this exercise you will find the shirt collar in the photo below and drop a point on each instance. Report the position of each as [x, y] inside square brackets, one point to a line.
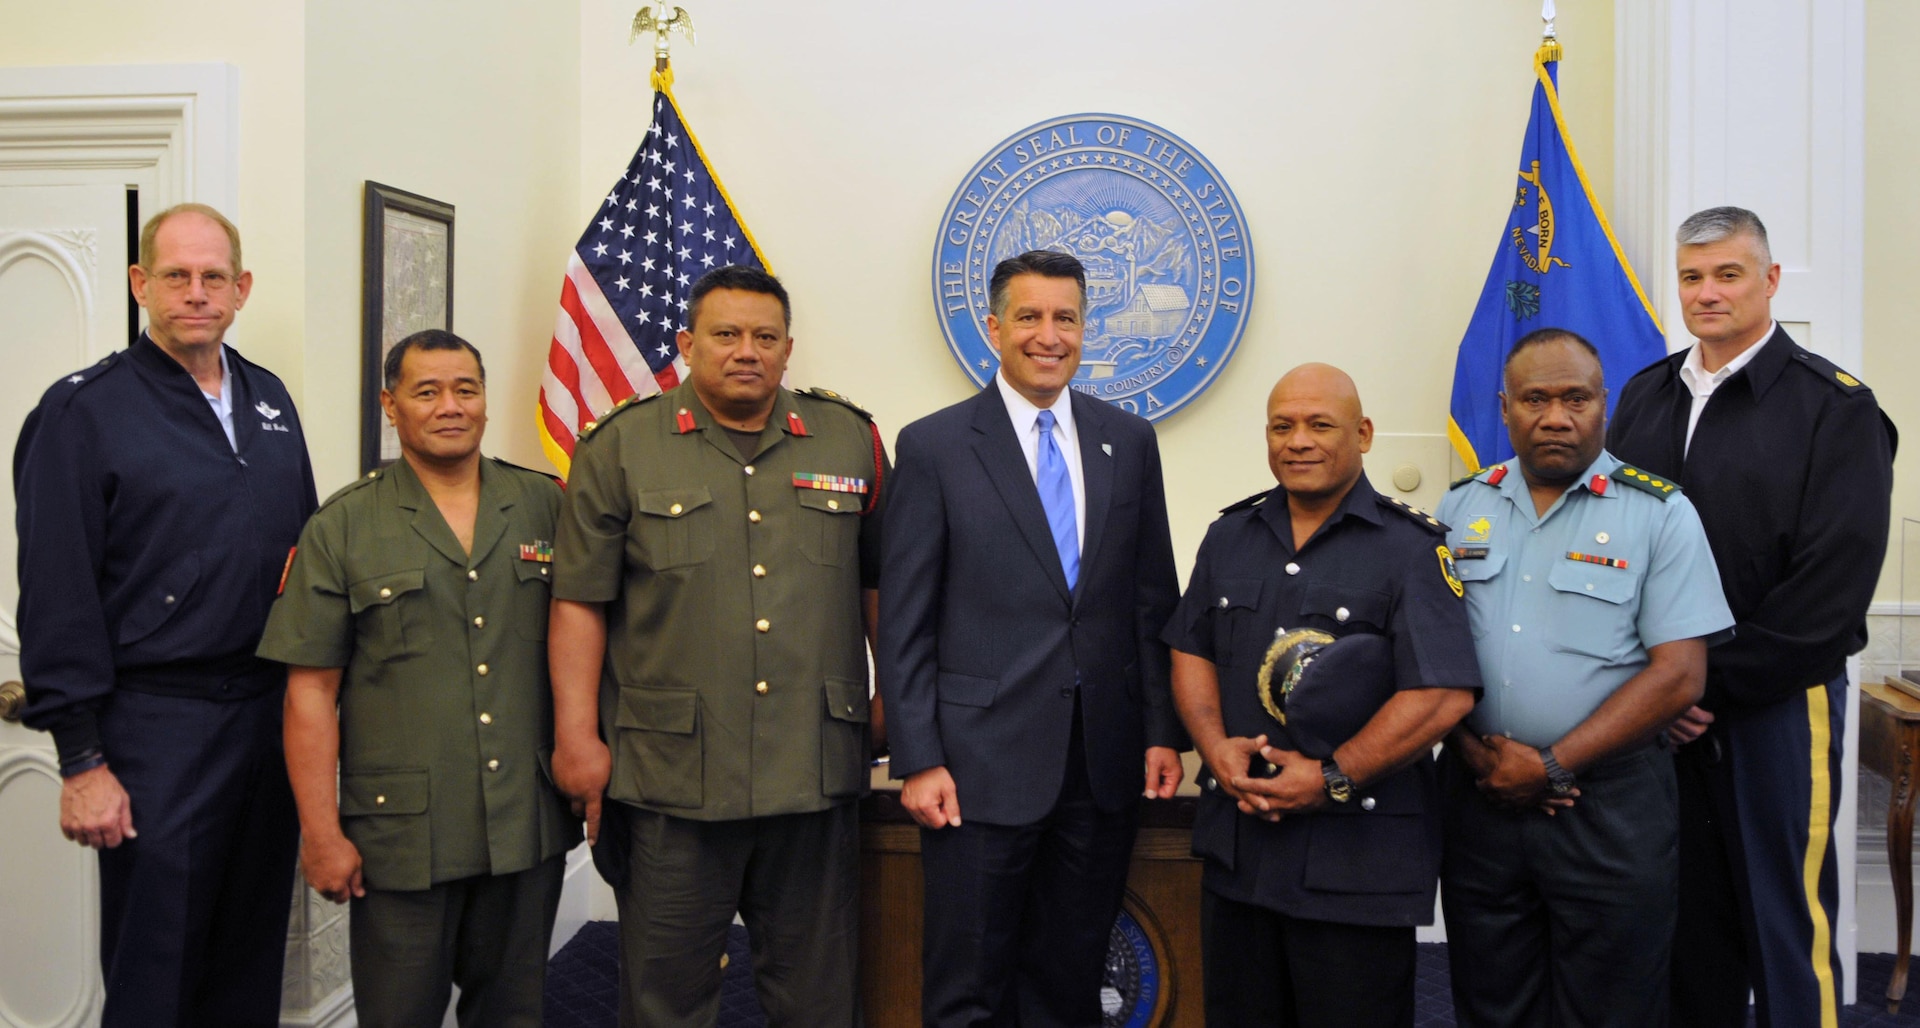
[1361, 502]
[1696, 377]
[1024, 413]
[1514, 485]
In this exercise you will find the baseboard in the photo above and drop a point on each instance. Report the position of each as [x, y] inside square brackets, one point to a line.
[336, 1011]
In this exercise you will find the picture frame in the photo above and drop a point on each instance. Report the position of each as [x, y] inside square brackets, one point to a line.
[406, 286]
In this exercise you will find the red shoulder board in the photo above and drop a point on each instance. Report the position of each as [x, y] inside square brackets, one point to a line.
[794, 425]
[683, 421]
[1499, 472]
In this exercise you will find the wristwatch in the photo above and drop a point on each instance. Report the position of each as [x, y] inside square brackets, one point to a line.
[1339, 786]
[1559, 779]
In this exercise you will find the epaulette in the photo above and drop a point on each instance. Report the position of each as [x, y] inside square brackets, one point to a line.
[1490, 475]
[359, 483]
[73, 383]
[827, 394]
[1627, 474]
[1829, 371]
[1247, 504]
[1415, 514]
[632, 401]
[548, 475]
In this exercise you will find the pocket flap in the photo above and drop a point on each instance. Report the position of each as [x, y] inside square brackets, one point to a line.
[1241, 593]
[847, 700]
[532, 570]
[1614, 585]
[831, 502]
[384, 589]
[1331, 600]
[967, 690]
[673, 503]
[1478, 569]
[384, 792]
[659, 710]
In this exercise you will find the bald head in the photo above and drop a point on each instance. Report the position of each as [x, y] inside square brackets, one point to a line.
[1316, 434]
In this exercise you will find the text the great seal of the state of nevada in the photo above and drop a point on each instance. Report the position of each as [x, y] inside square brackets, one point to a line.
[1169, 265]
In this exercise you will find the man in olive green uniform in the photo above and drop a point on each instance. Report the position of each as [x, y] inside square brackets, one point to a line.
[417, 600]
[717, 550]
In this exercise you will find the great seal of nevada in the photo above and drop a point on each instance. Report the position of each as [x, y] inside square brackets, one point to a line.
[1169, 265]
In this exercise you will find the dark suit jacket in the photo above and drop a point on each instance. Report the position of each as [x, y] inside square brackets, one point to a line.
[980, 640]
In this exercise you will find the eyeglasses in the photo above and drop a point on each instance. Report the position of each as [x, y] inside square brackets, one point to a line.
[180, 280]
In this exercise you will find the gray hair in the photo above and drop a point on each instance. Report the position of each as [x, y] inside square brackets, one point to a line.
[1717, 223]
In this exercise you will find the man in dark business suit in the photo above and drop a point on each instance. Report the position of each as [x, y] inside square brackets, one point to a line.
[1028, 570]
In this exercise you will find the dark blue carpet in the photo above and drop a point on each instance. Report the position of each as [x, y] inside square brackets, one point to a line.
[583, 981]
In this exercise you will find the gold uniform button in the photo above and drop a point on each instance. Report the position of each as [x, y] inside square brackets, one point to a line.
[675, 510]
[479, 622]
[482, 669]
[748, 469]
[473, 576]
[543, 569]
[753, 516]
[493, 765]
[759, 571]
[384, 593]
[760, 687]
[762, 625]
[379, 801]
[833, 504]
[486, 718]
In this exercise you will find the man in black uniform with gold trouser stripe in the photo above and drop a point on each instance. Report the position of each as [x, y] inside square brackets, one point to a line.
[1789, 461]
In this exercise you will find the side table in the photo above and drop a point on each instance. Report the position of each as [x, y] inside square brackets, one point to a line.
[1890, 746]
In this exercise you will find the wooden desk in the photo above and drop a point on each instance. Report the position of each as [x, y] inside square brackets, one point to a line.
[1163, 899]
[1890, 746]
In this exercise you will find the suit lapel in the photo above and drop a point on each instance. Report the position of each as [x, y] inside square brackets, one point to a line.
[1006, 467]
[1096, 470]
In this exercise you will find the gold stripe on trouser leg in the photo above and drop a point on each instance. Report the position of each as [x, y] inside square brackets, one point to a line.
[1819, 812]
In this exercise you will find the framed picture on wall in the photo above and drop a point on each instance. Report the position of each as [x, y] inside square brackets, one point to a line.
[407, 285]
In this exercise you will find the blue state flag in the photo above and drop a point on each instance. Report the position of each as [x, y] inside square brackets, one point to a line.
[1558, 266]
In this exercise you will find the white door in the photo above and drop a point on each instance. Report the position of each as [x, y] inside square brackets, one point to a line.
[63, 300]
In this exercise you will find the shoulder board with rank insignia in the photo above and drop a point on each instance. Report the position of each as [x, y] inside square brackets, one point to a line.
[1247, 504]
[1490, 475]
[632, 401]
[1418, 516]
[1626, 474]
[359, 483]
[827, 394]
[1828, 371]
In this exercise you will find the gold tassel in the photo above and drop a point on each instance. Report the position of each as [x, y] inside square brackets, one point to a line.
[1549, 50]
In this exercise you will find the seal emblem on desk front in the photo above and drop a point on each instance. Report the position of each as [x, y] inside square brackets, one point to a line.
[1169, 264]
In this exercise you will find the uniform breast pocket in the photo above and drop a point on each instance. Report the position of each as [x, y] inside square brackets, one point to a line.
[1236, 619]
[386, 624]
[1592, 609]
[829, 526]
[675, 526]
[1346, 607]
[1479, 599]
[530, 594]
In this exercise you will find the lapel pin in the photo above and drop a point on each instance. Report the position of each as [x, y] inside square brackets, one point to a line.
[1106, 448]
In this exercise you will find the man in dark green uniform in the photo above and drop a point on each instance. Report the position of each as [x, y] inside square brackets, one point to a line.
[417, 601]
[716, 553]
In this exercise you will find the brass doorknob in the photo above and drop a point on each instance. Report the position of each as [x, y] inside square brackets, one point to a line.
[13, 700]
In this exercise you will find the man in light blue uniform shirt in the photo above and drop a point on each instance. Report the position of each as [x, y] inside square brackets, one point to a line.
[1593, 597]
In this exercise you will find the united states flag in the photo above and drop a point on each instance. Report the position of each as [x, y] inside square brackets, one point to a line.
[664, 224]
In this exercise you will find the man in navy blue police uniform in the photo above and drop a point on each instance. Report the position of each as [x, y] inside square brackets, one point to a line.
[1790, 462]
[1318, 871]
[159, 494]
[1592, 594]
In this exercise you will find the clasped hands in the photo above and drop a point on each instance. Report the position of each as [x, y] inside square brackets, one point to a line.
[1512, 775]
[1297, 785]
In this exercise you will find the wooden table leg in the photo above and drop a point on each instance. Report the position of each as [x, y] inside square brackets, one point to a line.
[1900, 860]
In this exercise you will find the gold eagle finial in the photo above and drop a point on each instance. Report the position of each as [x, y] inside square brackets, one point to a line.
[661, 23]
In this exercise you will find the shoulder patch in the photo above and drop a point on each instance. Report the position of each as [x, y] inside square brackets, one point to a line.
[1247, 504]
[1627, 474]
[827, 394]
[1414, 514]
[1828, 370]
[630, 402]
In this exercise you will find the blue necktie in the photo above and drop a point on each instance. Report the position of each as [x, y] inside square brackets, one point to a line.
[1056, 495]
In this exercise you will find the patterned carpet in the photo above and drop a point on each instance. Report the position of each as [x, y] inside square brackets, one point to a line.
[583, 978]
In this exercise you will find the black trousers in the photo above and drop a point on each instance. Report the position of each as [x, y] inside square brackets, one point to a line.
[1018, 917]
[795, 881]
[193, 912]
[1759, 879]
[487, 934]
[1264, 969]
[1563, 920]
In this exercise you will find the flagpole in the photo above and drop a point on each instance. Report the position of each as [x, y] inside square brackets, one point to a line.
[1546, 15]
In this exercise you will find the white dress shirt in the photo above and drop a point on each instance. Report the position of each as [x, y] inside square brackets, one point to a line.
[223, 404]
[1701, 383]
[1026, 419]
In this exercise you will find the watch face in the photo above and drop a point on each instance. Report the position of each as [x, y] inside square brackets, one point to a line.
[1339, 786]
